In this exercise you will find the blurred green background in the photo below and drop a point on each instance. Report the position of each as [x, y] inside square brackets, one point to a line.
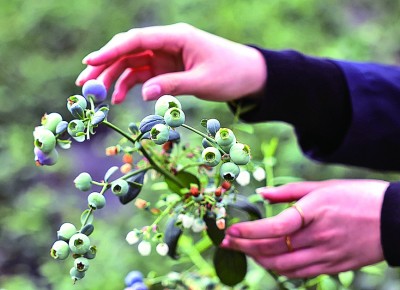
[41, 46]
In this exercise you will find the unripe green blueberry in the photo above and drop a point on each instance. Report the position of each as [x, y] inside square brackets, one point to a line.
[75, 274]
[225, 137]
[240, 154]
[166, 102]
[50, 121]
[75, 127]
[229, 171]
[79, 244]
[211, 156]
[96, 200]
[77, 99]
[59, 250]
[174, 117]
[159, 134]
[66, 231]
[213, 126]
[83, 181]
[44, 139]
[91, 253]
[81, 264]
[120, 187]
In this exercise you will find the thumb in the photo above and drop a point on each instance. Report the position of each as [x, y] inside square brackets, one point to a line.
[177, 83]
[289, 192]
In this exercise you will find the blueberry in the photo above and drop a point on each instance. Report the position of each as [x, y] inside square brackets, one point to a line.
[96, 200]
[133, 277]
[229, 171]
[81, 264]
[75, 127]
[77, 111]
[66, 231]
[149, 122]
[77, 99]
[213, 126]
[240, 154]
[159, 134]
[206, 143]
[166, 102]
[120, 187]
[79, 244]
[174, 117]
[98, 117]
[83, 181]
[59, 250]
[91, 253]
[94, 89]
[144, 248]
[50, 121]
[45, 158]
[211, 156]
[75, 274]
[44, 139]
[225, 137]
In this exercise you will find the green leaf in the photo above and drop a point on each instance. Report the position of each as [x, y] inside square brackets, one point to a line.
[230, 266]
[244, 128]
[327, 283]
[346, 278]
[64, 144]
[159, 186]
[216, 235]
[242, 204]
[87, 217]
[203, 123]
[185, 178]
[110, 172]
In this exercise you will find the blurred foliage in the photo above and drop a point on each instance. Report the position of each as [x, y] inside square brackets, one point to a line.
[42, 44]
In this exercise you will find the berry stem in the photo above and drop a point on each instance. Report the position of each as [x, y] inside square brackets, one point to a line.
[205, 136]
[156, 166]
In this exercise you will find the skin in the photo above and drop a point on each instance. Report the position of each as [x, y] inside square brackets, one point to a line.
[342, 217]
[341, 232]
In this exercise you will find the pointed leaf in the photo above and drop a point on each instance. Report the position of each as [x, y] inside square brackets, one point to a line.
[134, 188]
[64, 144]
[203, 123]
[185, 178]
[110, 172]
[241, 203]
[216, 235]
[171, 236]
[230, 266]
[87, 217]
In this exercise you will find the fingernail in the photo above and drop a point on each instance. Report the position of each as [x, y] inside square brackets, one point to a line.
[265, 190]
[87, 58]
[233, 232]
[151, 92]
[224, 243]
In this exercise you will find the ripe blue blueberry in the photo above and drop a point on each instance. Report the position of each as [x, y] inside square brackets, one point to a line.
[229, 171]
[96, 200]
[159, 134]
[66, 231]
[120, 187]
[213, 126]
[44, 139]
[77, 99]
[133, 277]
[59, 250]
[138, 286]
[211, 156]
[225, 137]
[83, 181]
[94, 89]
[174, 117]
[50, 121]
[79, 244]
[149, 122]
[81, 264]
[164, 103]
[42, 158]
[240, 154]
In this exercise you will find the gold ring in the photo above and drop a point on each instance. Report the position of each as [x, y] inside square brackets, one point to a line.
[289, 243]
[300, 211]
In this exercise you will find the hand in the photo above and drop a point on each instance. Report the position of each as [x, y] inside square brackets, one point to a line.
[176, 59]
[341, 231]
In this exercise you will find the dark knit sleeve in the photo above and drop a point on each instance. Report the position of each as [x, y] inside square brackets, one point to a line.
[390, 225]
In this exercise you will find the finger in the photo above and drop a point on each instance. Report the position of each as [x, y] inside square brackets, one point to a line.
[91, 72]
[310, 271]
[137, 40]
[292, 261]
[285, 223]
[111, 73]
[291, 191]
[266, 247]
[128, 79]
[174, 83]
